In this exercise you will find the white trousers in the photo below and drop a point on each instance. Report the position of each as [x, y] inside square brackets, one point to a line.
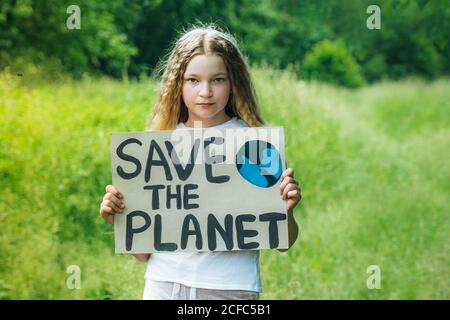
[161, 290]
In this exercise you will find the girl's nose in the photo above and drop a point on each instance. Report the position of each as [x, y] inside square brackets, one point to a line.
[205, 89]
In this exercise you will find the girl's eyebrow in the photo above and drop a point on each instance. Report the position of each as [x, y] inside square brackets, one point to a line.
[214, 75]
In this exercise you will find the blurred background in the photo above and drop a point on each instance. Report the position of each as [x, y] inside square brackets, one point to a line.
[363, 95]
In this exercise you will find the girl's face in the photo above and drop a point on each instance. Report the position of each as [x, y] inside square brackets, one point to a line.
[206, 90]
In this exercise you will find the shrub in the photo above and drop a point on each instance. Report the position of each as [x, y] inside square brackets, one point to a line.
[332, 62]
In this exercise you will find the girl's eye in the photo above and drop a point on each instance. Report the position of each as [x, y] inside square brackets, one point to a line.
[219, 80]
[192, 80]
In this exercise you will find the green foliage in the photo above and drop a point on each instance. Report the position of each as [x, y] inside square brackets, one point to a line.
[370, 162]
[53, 168]
[331, 62]
[36, 30]
[413, 39]
[128, 37]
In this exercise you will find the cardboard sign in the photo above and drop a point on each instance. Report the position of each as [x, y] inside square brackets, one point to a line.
[199, 190]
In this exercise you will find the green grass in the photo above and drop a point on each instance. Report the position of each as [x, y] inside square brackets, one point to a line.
[372, 164]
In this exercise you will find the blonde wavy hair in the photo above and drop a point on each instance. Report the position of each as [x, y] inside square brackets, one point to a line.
[169, 109]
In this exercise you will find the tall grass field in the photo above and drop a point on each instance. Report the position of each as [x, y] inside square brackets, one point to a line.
[373, 164]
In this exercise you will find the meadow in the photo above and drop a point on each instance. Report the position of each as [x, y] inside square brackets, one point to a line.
[372, 163]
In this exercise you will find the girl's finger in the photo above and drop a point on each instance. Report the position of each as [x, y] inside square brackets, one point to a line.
[105, 211]
[286, 181]
[111, 189]
[114, 199]
[293, 194]
[289, 172]
[109, 203]
[289, 187]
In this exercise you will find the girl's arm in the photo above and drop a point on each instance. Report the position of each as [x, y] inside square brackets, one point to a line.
[142, 256]
[113, 204]
[292, 230]
[290, 191]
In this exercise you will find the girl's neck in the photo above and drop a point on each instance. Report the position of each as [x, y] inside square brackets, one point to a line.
[206, 123]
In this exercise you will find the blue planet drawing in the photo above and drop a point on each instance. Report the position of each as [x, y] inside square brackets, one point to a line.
[259, 163]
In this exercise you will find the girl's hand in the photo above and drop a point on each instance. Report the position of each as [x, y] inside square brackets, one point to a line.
[112, 204]
[289, 189]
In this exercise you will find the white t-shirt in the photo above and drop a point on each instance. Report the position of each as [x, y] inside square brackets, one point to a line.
[223, 270]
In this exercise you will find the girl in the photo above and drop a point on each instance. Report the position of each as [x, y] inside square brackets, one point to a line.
[206, 81]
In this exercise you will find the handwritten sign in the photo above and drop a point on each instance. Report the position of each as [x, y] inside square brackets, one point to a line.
[199, 190]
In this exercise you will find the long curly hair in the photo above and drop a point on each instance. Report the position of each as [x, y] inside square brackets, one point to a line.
[169, 109]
